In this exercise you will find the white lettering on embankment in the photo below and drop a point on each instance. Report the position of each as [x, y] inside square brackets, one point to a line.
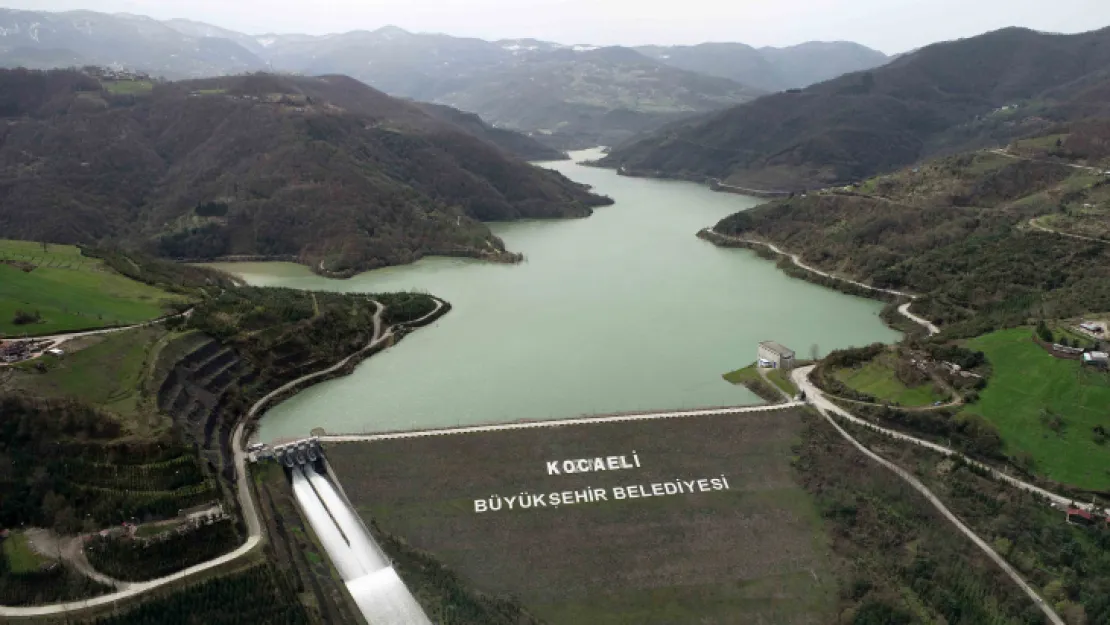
[587, 465]
[526, 500]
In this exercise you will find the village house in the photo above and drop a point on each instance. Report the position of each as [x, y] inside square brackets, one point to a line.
[1097, 359]
[1078, 516]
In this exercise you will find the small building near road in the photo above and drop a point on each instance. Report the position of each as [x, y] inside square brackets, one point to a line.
[1097, 359]
[779, 356]
[1078, 516]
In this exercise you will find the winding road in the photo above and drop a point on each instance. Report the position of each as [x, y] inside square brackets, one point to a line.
[904, 309]
[801, 378]
[246, 500]
[820, 400]
[57, 339]
[1037, 226]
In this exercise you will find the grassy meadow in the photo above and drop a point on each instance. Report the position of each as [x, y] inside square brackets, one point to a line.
[877, 378]
[69, 291]
[1046, 408]
[108, 370]
[16, 549]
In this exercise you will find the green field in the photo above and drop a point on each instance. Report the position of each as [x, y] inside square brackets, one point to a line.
[877, 378]
[20, 556]
[781, 379]
[128, 87]
[109, 374]
[70, 291]
[743, 376]
[1026, 383]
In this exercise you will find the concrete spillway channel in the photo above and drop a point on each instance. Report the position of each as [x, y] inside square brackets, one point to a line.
[376, 588]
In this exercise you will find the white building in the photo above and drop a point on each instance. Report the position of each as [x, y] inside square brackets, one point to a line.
[1097, 359]
[776, 355]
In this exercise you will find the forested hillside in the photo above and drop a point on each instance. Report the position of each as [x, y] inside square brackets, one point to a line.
[956, 230]
[768, 68]
[324, 170]
[964, 94]
[513, 142]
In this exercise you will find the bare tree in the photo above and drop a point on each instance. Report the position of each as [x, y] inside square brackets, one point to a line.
[814, 352]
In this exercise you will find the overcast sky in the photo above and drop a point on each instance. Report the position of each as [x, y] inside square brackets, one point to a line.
[888, 25]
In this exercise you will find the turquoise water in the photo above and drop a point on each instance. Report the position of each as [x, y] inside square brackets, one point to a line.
[624, 311]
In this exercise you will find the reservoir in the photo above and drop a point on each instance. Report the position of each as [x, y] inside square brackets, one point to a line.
[626, 310]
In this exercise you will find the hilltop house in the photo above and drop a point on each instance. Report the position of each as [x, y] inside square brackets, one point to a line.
[776, 355]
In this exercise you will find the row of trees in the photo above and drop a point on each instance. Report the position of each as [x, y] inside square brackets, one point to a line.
[252, 597]
[133, 559]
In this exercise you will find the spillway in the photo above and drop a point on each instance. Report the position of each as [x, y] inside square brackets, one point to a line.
[340, 553]
[383, 598]
[379, 592]
[363, 545]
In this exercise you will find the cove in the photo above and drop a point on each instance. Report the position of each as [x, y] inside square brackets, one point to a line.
[626, 310]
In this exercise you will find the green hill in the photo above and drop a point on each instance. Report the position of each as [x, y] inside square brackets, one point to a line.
[955, 230]
[324, 170]
[946, 97]
[60, 289]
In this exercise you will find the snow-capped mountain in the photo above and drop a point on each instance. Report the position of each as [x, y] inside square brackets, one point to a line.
[132, 41]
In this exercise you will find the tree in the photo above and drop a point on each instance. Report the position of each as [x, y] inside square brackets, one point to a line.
[814, 352]
[1044, 332]
[23, 317]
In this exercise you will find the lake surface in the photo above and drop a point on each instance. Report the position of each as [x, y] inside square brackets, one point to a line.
[626, 310]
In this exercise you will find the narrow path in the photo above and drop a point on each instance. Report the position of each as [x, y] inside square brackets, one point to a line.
[246, 501]
[73, 551]
[553, 423]
[763, 373]
[1033, 223]
[818, 398]
[904, 309]
[801, 377]
[1008, 154]
[58, 339]
[952, 404]
[69, 549]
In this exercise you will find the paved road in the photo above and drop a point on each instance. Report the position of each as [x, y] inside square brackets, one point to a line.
[246, 501]
[904, 309]
[554, 423]
[58, 339]
[801, 378]
[819, 399]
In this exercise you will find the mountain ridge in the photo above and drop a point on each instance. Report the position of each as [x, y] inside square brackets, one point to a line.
[325, 170]
[947, 97]
[568, 96]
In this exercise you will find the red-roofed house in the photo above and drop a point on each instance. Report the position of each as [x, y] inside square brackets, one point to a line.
[1080, 516]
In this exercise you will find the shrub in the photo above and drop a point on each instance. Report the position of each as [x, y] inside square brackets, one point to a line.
[22, 317]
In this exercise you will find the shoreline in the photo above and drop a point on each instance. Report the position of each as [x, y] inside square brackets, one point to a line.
[898, 302]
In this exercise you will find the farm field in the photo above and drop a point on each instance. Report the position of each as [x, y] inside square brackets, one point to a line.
[1046, 408]
[128, 87]
[110, 373]
[877, 378]
[69, 291]
[755, 552]
[21, 558]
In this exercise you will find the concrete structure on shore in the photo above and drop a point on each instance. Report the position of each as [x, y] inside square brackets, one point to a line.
[777, 355]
